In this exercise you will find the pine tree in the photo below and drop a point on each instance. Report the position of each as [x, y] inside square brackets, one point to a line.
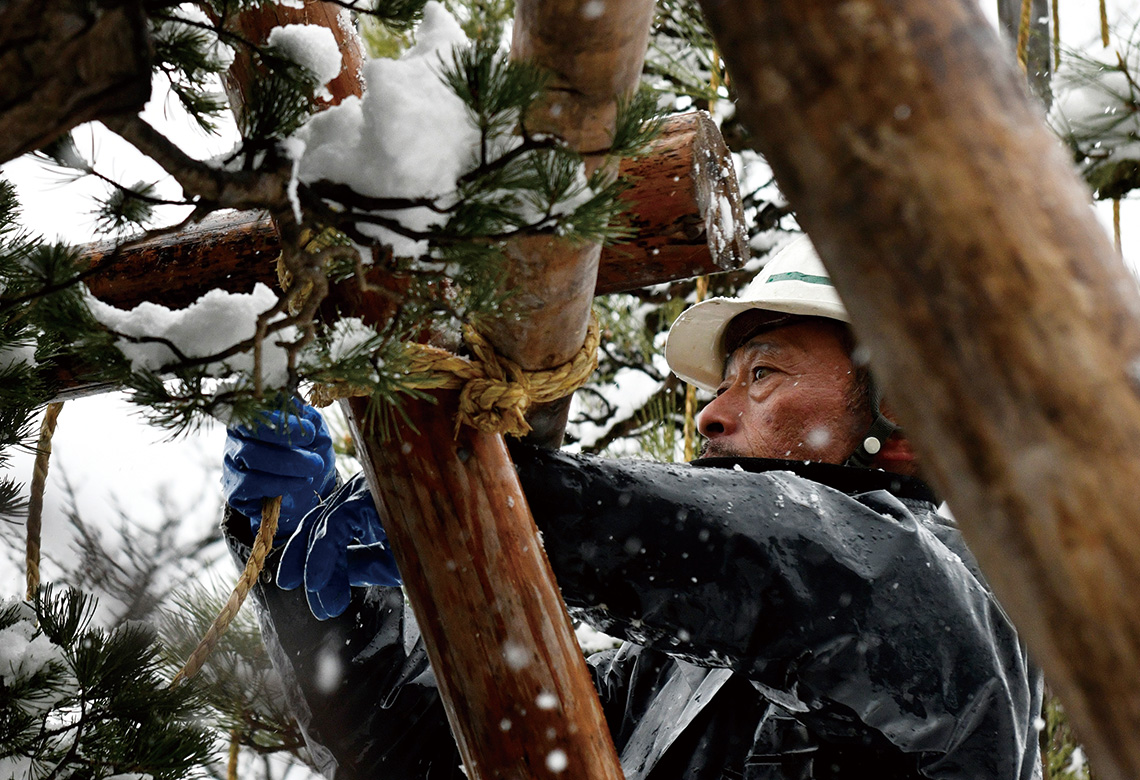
[76, 701]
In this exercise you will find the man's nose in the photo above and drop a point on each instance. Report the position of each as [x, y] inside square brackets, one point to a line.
[720, 417]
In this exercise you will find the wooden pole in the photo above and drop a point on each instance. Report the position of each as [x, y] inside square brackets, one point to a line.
[1003, 326]
[514, 681]
[515, 686]
[684, 209]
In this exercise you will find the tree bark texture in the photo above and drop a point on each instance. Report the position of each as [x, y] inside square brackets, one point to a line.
[65, 62]
[593, 51]
[1002, 324]
[544, 324]
[684, 208]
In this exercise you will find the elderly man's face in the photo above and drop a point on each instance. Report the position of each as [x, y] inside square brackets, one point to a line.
[790, 392]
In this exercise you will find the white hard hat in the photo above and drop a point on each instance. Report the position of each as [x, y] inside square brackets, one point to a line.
[794, 281]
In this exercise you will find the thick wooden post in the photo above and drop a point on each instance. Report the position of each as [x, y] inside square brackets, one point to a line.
[1000, 320]
[505, 660]
[514, 681]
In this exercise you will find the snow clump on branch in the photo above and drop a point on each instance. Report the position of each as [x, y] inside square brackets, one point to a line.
[311, 46]
[409, 137]
[149, 334]
[24, 653]
[1095, 112]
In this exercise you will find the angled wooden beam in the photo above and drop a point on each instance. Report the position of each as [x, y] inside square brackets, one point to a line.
[1003, 325]
[684, 210]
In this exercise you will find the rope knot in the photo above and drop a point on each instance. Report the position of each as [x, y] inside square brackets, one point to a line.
[495, 393]
[497, 401]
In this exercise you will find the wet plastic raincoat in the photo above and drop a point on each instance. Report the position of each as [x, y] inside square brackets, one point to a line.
[783, 620]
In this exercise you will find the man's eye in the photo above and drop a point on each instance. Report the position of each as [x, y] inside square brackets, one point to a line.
[759, 372]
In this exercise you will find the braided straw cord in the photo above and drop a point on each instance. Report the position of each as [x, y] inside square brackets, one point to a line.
[232, 762]
[495, 392]
[1056, 8]
[270, 509]
[36, 500]
[1023, 35]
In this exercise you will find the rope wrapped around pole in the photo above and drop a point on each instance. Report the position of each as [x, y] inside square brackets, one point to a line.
[494, 391]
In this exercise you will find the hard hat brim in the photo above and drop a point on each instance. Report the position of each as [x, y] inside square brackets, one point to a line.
[694, 348]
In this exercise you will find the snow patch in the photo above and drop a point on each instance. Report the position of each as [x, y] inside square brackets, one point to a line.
[556, 760]
[349, 336]
[311, 46]
[593, 9]
[516, 655]
[328, 672]
[17, 354]
[410, 136]
[23, 655]
[215, 322]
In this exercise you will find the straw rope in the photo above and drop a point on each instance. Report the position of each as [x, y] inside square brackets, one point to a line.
[36, 499]
[494, 391]
[270, 509]
[1023, 35]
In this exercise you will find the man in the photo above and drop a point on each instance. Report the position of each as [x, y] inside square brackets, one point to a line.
[785, 615]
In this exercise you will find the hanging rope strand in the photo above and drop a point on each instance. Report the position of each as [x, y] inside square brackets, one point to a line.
[36, 499]
[1116, 225]
[270, 509]
[232, 763]
[1056, 7]
[1023, 35]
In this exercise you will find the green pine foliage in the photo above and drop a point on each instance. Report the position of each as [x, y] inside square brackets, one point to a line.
[1062, 757]
[83, 703]
[41, 315]
[1097, 114]
[520, 184]
[241, 692]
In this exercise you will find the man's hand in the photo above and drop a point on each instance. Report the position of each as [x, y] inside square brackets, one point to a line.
[339, 544]
[287, 455]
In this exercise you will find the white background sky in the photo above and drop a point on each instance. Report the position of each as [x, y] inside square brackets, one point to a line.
[113, 460]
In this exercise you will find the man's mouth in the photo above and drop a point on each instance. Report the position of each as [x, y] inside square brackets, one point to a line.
[715, 448]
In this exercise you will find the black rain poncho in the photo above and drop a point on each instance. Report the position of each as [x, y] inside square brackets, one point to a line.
[783, 620]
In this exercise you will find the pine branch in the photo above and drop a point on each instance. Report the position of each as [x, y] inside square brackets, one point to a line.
[214, 188]
[668, 394]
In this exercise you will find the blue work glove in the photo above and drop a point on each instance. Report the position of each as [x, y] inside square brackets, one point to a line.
[339, 544]
[287, 455]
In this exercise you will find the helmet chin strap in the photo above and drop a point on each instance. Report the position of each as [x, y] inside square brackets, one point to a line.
[877, 434]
